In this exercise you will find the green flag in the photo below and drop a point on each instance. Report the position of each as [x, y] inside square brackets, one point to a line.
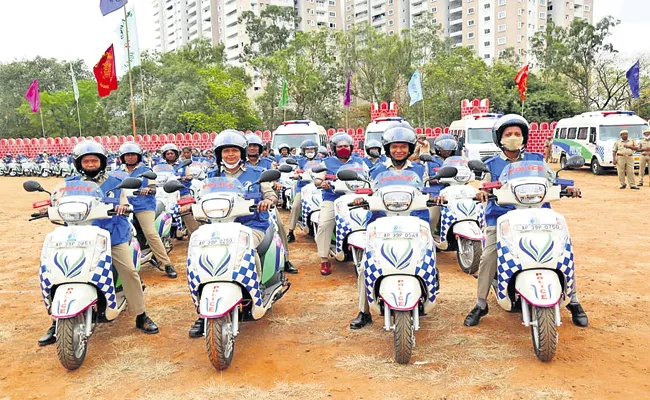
[285, 95]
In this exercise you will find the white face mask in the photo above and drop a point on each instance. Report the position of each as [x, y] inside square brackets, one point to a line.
[230, 166]
[310, 154]
[512, 143]
[646, 135]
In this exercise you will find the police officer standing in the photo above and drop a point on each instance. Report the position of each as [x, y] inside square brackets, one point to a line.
[644, 148]
[623, 156]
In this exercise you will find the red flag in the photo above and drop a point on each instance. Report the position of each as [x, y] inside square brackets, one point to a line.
[522, 80]
[33, 96]
[105, 73]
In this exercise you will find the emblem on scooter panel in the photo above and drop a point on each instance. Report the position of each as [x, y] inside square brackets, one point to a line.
[541, 253]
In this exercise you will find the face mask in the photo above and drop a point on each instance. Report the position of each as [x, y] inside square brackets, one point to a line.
[310, 154]
[91, 173]
[512, 143]
[343, 153]
[646, 135]
[253, 155]
[230, 166]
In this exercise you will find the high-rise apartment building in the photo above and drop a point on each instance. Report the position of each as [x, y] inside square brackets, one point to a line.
[562, 12]
[181, 21]
[316, 14]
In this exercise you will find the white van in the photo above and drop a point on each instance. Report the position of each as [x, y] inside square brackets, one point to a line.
[593, 134]
[294, 132]
[376, 128]
[474, 135]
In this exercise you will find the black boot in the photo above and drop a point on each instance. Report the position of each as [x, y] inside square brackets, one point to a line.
[49, 337]
[475, 315]
[578, 315]
[145, 324]
[361, 320]
[197, 329]
[289, 268]
[291, 237]
[170, 271]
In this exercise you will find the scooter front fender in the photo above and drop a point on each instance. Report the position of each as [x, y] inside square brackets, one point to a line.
[468, 229]
[71, 299]
[357, 239]
[219, 298]
[400, 292]
[539, 287]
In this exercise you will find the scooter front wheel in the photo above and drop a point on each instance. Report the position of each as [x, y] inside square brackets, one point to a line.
[220, 342]
[71, 341]
[403, 337]
[544, 333]
[469, 255]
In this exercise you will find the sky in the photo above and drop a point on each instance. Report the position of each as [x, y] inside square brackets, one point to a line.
[73, 29]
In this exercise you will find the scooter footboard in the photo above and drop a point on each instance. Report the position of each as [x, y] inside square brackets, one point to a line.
[468, 229]
[400, 292]
[219, 298]
[71, 299]
[539, 287]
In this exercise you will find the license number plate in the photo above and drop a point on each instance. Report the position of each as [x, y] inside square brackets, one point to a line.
[397, 235]
[71, 243]
[216, 242]
[537, 227]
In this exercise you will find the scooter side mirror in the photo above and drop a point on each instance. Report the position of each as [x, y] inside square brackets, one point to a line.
[149, 175]
[285, 168]
[426, 157]
[130, 183]
[477, 166]
[32, 186]
[445, 172]
[269, 176]
[291, 161]
[319, 169]
[172, 186]
[185, 163]
[347, 175]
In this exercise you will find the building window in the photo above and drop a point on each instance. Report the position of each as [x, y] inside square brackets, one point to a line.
[390, 22]
[391, 32]
[349, 17]
[502, 14]
[332, 14]
[471, 47]
[348, 27]
[542, 28]
[502, 28]
[348, 8]
[520, 11]
[502, 40]
[434, 9]
[486, 19]
[487, 31]
[502, 2]
[542, 15]
[542, 2]
[470, 22]
[520, 25]
[390, 12]
[434, 21]
[520, 38]
[332, 3]
[470, 10]
[486, 44]
[486, 56]
[332, 25]
[486, 6]
[470, 35]
[390, 2]
[587, 8]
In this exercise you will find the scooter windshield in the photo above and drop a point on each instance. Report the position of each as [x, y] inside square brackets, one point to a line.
[455, 161]
[163, 168]
[79, 188]
[312, 164]
[526, 169]
[358, 168]
[398, 178]
[221, 185]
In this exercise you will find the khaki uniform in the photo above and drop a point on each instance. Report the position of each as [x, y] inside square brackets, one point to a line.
[267, 194]
[190, 223]
[295, 210]
[147, 219]
[548, 150]
[624, 161]
[644, 161]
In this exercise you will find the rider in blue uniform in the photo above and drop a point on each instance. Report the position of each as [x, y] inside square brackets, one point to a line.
[284, 152]
[399, 145]
[171, 155]
[144, 205]
[90, 160]
[444, 146]
[510, 133]
[308, 148]
[373, 147]
[254, 153]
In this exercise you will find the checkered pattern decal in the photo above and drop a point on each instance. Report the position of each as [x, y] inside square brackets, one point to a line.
[342, 230]
[247, 276]
[46, 286]
[428, 272]
[193, 281]
[481, 215]
[371, 272]
[446, 219]
[103, 279]
[305, 209]
[567, 267]
[600, 150]
[506, 267]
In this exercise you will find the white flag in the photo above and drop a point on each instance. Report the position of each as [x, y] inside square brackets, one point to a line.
[130, 49]
[75, 88]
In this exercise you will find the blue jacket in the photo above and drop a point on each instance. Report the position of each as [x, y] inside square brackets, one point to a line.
[306, 164]
[433, 165]
[180, 172]
[259, 220]
[333, 164]
[415, 167]
[369, 162]
[264, 162]
[142, 203]
[496, 165]
[118, 226]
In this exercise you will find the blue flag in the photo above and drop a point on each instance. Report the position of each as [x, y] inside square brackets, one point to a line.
[415, 88]
[632, 76]
[108, 6]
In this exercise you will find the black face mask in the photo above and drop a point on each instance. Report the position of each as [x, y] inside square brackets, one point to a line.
[91, 173]
[398, 163]
[254, 156]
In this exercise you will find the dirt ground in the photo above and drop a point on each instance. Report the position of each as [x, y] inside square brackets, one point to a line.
[304, 347]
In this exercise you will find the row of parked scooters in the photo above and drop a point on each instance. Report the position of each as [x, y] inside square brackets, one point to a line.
[396, 252]
[29, 167]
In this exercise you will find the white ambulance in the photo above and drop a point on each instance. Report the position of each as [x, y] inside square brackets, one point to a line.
[474, 134]
[294, 132]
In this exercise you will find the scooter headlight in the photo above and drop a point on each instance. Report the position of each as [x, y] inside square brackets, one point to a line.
[74, 211]
[397, 201]
[530, 193]
[217, 208]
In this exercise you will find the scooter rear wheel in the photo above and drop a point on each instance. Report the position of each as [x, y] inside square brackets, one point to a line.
[403, 338]
[543, 330]
[220, 342]
[71, 341]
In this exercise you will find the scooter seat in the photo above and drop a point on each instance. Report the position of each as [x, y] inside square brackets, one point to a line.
[266, 242]
[160, 208]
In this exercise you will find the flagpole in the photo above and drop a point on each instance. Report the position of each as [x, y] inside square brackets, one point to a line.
[144, 105]
[424, 113]
[79, 118]
[128, 57]
[40, 112]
